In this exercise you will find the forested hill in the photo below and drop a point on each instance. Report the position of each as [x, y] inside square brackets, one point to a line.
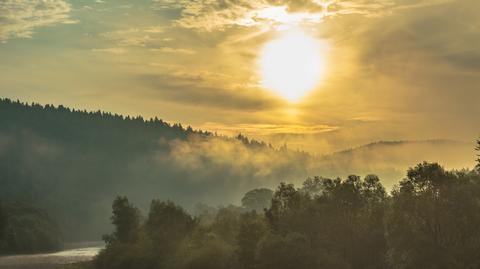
[73, 163]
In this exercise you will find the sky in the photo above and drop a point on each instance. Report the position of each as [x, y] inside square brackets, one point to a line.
[391, 69]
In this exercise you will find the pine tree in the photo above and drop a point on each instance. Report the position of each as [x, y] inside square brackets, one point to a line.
[478, 155]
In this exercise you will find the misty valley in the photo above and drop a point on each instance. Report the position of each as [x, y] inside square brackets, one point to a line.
[239, 134]
[165, 196]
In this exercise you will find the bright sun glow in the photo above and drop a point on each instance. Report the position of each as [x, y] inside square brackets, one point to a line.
[292, 65]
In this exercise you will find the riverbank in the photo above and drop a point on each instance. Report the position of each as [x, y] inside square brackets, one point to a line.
[74, 255]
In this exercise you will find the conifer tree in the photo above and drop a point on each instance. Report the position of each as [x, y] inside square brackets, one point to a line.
[478, 155]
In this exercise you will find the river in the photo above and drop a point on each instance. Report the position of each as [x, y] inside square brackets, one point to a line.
[72, 254]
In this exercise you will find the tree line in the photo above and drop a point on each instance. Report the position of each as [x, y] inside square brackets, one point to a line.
[431, 219]
[27, 229]
[83, 159]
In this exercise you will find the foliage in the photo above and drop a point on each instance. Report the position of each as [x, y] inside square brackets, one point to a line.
[84, 159]
[70, 161]
[429, 221]
[26, 229]
[434, 219]
[343, 219]
[257, 199]
[251, 228]
[226, 223]
[79, 158]
[3, 226]
[168, 225]
[478, 155]
[126, 219]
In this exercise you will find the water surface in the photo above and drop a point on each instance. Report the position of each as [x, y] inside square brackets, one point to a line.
[72, 254]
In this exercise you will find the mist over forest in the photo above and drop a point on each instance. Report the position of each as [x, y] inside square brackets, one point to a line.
[239, 134]
[73, 163]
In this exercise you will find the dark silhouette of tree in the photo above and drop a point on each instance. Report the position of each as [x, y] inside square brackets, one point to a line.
[429, 221]
[63, 160]
[167, 225]
[126, 219]
[204, 214]
[477, 148]
[210, 253]
[286, 208]
[252, 227]
[27, 229]
[80, 157]
[226, 223]
[292, 250]
[313, 187]
[434, 219]
[257, 199]
[342, 220]
[3, 226]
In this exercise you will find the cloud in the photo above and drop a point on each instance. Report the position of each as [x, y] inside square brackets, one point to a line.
[168, 4]
[231, 162]
[390, 159]
[133, 37]
[116, 51]
[265, 129]
[234, 160]
[424, 38]
[124, 39]
[173, 50]
[212, 15]
[19, 18]
[206, 88]
[394, 66]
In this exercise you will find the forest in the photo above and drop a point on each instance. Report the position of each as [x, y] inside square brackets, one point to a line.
[27, 229]
[240, 134]
[83, 159]
[429, 220]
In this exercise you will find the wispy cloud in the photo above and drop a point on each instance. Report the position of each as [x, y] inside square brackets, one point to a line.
[212, 15]
[173, 50]
[116, 51]
[134, 37]
[207, 89]
[263, 129]
[196, 61]
[19, 18]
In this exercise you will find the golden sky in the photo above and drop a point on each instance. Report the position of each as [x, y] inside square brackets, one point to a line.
[391, 69]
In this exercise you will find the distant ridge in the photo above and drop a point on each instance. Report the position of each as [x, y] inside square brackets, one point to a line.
[400, 143]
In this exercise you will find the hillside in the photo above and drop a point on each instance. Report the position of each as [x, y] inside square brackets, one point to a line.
[73, 163]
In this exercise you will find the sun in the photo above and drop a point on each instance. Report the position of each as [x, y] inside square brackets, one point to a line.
[292, 65]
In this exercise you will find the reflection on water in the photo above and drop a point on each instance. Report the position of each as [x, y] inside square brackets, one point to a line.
[74, 253]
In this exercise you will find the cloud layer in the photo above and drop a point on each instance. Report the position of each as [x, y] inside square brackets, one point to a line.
[19, 18]
[395, 69]
[217, 15]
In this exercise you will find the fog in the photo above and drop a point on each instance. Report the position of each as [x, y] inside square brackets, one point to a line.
[73, 164]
